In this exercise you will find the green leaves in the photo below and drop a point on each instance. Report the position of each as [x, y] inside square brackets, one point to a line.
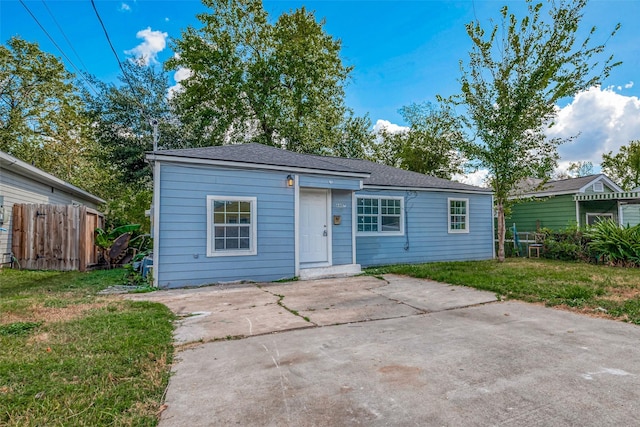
[511, 84]
[430, 146]
[624, 167]
[280, 84]
[620, 245]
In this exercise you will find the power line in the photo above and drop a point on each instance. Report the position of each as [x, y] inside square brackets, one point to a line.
[124, 73]
[80, 73]
[64, 35]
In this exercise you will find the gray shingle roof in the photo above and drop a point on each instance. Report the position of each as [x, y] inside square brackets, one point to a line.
[380, 175]
[388, 176]
[560, 186]
[258, 154]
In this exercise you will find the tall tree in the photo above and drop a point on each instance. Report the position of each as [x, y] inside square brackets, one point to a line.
[41, 120]
[281, 84]
[429, 146]
[624, 167]
[121, 115]
[517, 72]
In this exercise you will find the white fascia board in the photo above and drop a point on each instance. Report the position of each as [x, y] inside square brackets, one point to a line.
[604, 178]
[243, 165]
[13, 164]
[439, 190]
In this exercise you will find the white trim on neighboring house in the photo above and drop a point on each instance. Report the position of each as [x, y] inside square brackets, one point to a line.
[577, 214]
[620, 213]
[155, 219]
[245, 165]
[296, 225]
[597, 214]
[582, 189]
[609, 183]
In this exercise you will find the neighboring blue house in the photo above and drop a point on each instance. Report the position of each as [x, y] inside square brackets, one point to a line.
[258, 213]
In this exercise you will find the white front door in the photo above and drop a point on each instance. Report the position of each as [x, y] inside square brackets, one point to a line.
[314, 227]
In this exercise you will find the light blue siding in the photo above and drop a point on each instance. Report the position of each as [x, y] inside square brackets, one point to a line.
[631, 215]
[316, 181]
[342, 238]
[182, 257]
[426, 237]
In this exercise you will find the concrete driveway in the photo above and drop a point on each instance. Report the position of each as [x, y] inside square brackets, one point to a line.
[398, 351]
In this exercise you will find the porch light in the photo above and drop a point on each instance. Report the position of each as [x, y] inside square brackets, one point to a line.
[290, 180]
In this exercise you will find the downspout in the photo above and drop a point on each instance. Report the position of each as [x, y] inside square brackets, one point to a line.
[577, 213]
[493, 228]
[155, 218]
[296, 225]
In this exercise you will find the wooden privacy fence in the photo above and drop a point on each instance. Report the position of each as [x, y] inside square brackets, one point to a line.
[55, 237]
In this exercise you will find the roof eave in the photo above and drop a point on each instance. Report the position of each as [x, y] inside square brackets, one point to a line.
[25, 169]
[429, 189]
[244, 165]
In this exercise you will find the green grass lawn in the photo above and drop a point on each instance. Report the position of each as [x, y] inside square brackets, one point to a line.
[71, 357]
[591, 289]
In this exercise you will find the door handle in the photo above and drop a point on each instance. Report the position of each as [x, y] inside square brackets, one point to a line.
[324, 233]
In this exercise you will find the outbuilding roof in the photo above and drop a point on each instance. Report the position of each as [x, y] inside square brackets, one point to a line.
[260, 156]
[8, 162]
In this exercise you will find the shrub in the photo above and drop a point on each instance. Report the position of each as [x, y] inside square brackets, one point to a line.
[570, 244]
[619, 245]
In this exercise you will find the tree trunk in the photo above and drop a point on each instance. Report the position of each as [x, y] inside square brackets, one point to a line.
[501, 232]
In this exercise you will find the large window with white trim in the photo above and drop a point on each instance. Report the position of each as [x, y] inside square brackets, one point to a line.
[380, 215]
[458, 214]
[231, 226]
[594, 218]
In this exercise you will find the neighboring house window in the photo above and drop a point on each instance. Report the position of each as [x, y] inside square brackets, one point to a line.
[593, 218]
[378, 215]
[598, 187]
[458, 215]
[231, 226]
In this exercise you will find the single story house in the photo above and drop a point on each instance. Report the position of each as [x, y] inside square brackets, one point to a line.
[575, 201]
[22, 183]
[258, 213]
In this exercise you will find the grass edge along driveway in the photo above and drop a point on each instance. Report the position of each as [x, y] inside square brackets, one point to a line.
[599, 290]
[71, 357]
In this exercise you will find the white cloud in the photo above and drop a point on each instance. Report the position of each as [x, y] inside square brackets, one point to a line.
[125, 8]
[604, 120]
[166, 19]
[180, 74]
[628, 85]
[390, 127]
[154, 42]
[477, 178]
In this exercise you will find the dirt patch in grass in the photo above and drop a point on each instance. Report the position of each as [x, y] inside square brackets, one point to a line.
[621, 294]
[38, 312]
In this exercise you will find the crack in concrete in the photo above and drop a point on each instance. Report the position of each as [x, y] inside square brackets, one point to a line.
[281, 304]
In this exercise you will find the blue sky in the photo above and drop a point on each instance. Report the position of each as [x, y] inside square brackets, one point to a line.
[402, 51]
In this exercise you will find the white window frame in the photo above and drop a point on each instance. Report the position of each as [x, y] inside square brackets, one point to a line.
[253, 227]
[451, 230]
[380, 232]
[595, 214]
[598, 187]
